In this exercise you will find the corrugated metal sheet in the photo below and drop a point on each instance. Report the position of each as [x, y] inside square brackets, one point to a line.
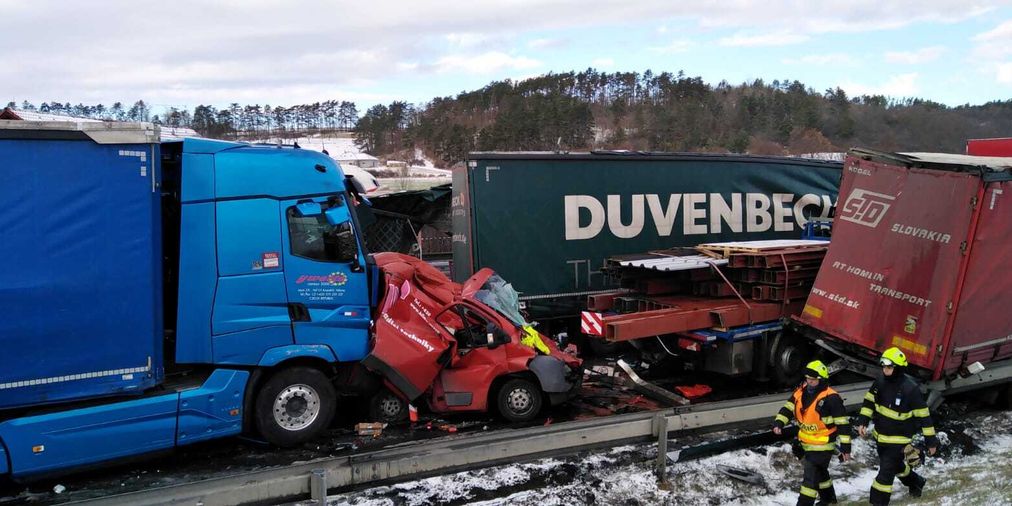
[684, 263]
[763, 245]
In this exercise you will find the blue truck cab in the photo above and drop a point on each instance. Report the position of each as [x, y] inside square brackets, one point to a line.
[159, 294]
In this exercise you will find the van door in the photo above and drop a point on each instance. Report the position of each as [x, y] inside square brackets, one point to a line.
[408, 347]
[328, 295]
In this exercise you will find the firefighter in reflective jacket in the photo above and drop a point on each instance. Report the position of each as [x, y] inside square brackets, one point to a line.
[896, 407]
[822, 422]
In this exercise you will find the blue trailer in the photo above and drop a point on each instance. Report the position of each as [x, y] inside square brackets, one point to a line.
[160, 294]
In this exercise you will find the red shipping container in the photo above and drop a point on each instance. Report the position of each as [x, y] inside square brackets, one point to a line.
[917, 259]
[989, 147]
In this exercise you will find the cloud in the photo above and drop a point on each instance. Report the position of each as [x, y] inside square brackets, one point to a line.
[676, 46]
[278, 51]
[995, 43]
[743, 39]
[603, 63]
[901, 85]
[992, 53]
[923, 55]
[822, 59]
[491, 62]
[1003, 73]
[547, 43]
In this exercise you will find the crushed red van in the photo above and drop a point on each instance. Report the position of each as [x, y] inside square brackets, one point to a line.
[462, 347]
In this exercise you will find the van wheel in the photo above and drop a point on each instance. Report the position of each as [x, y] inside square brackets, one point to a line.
[387, 407]
[519, 400]
[295, 406]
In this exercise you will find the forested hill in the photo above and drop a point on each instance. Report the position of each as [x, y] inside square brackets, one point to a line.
[600, 110]
[669, 112]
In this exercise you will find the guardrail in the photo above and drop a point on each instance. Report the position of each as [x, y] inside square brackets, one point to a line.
[461, 452]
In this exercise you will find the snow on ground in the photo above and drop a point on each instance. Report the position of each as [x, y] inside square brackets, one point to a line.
[974, 470]
[342, 147]
[339, 146]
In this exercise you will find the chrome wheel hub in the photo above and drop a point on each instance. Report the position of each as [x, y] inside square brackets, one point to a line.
[296, 407]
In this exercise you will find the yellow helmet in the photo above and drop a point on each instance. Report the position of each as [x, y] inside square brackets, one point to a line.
[893, 356]
[817, 369]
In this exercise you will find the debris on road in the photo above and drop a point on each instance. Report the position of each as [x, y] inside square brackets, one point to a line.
[374, 429]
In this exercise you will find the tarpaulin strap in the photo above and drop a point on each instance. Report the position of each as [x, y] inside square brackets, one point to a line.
[733, 289]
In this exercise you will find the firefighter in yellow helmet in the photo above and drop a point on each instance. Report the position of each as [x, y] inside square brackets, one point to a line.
[822, 423]
[895, 406]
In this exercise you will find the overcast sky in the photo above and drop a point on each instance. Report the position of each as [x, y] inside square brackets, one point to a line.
[185, 52]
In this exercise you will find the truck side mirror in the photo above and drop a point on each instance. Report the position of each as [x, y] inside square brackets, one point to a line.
[308, 208]
[336, 215]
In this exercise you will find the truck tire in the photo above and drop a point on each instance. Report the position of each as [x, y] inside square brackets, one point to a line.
[294, 406]
[385, 406]
[788, 359]
[519, 400]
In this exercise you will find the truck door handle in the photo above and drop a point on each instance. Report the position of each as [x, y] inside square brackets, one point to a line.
[298, 312]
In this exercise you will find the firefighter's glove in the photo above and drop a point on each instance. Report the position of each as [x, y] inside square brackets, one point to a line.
[913, 456]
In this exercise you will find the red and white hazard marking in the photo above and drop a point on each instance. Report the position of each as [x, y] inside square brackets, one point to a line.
[592, 323]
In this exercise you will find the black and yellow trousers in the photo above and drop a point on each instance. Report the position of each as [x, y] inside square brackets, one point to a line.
[892, 465]
[816, 483]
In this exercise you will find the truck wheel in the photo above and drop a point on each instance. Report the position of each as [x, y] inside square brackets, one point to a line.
[519, 400]
[387, 407]
[295, 406]
[788, 359]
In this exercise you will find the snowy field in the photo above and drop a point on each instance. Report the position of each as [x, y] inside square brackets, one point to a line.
[420, 177]
[974, 468]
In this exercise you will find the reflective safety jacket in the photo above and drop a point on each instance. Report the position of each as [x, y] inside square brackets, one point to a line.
[898, 410]
[822, 419]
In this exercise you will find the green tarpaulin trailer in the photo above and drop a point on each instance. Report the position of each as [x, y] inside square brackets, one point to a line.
[547, 221]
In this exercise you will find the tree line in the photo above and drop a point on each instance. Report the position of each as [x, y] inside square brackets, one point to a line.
[601, 110]
[233, 122]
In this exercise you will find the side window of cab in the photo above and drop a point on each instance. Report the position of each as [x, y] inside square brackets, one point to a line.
[469, 328]
[313, 236]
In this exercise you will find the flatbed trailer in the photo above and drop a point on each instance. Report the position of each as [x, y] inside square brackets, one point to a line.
[720, 305]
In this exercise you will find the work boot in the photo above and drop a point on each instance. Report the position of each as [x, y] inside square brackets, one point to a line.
[917, 485]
